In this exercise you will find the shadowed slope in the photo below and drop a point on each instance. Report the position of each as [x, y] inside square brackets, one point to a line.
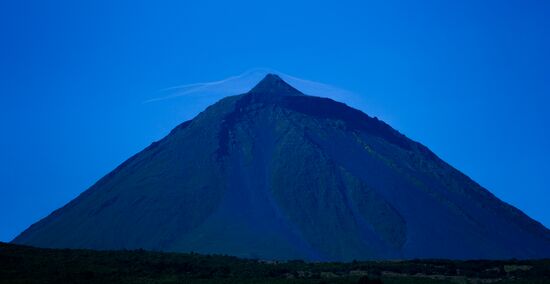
[277, 174]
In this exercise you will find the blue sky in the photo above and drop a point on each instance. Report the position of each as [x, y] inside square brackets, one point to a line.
[469, 79]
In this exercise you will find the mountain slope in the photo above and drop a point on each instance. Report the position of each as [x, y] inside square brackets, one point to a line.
[276, 174]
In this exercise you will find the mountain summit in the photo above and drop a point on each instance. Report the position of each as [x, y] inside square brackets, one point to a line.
[272, 84]
[276, 174]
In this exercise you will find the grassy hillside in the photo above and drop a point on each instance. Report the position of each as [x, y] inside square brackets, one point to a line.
[20, 264]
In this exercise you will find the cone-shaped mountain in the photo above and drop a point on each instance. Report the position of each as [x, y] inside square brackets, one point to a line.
[276, 174]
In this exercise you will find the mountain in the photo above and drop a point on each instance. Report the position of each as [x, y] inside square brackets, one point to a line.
[276, 174]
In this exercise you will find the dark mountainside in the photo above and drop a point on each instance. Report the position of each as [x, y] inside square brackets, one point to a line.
[276, 174]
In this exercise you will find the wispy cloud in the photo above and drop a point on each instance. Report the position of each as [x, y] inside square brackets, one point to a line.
[239, 84]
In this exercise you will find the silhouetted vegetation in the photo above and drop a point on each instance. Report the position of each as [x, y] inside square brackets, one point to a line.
[20, 264]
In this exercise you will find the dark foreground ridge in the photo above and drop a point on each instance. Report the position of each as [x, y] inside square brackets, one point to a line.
[278, 174]
[21, 264]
